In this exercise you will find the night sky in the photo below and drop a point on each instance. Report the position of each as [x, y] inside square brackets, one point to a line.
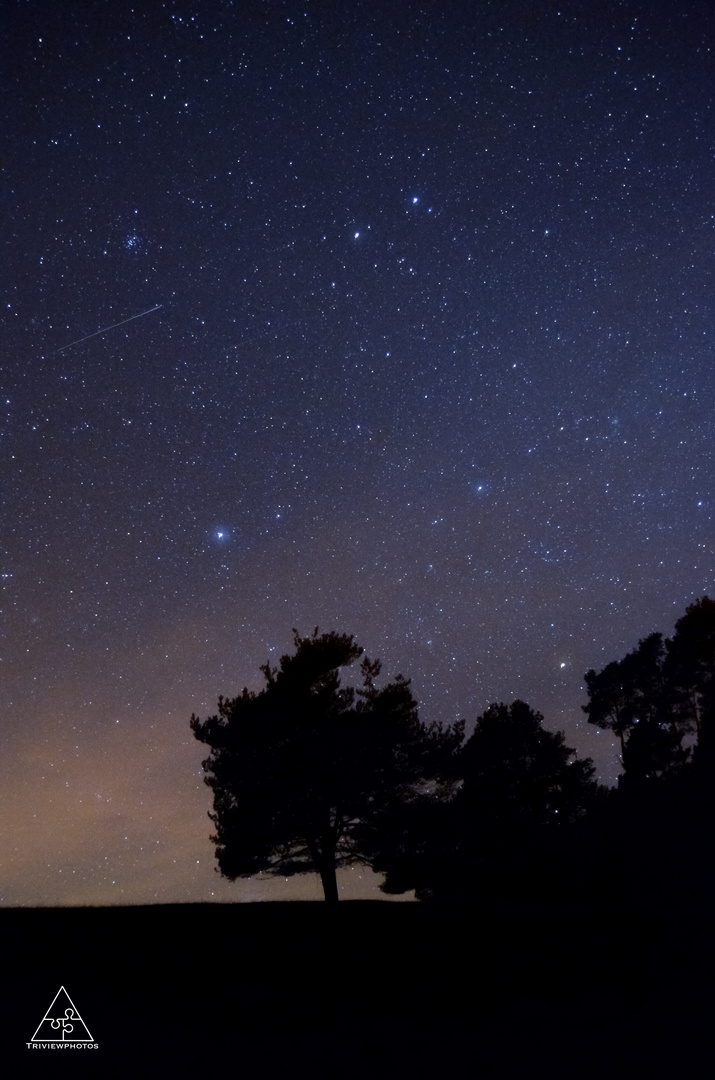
[416, 344]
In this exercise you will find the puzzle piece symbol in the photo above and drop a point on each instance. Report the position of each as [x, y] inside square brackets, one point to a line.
[65, 1021]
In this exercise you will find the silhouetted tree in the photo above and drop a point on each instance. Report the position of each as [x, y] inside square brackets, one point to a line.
[690, 671]
[501, 793]
[516, 771]
[304, 772]
[413, 841]
[633, 698]
[521, 782]
[651, 842]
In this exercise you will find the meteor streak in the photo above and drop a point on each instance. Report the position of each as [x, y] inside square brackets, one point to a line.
[106, 328]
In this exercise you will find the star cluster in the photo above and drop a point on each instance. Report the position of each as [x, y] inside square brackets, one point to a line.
[424, 354]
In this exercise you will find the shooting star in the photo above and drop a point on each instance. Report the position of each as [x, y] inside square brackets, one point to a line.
[106, 328]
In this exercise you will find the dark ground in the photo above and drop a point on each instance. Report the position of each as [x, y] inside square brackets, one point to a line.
[367, 990]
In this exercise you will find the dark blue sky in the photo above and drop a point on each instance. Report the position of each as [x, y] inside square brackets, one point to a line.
[433, 365]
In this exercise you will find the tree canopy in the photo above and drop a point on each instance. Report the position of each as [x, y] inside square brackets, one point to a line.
[659, 695]
[517, 771]
[503, 790]
[691, 668]
[303, 771]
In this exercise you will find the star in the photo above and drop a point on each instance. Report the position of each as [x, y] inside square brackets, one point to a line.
[417, 415]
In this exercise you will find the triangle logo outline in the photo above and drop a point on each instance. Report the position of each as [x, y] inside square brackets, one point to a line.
[61, 1028]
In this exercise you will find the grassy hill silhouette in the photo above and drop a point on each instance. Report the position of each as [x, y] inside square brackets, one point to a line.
[370, 988]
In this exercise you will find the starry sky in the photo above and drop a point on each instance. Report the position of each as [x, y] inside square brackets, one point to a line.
[411, 312]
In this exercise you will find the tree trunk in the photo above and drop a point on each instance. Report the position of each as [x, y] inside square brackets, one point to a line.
[323, 855]
[329, 880]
